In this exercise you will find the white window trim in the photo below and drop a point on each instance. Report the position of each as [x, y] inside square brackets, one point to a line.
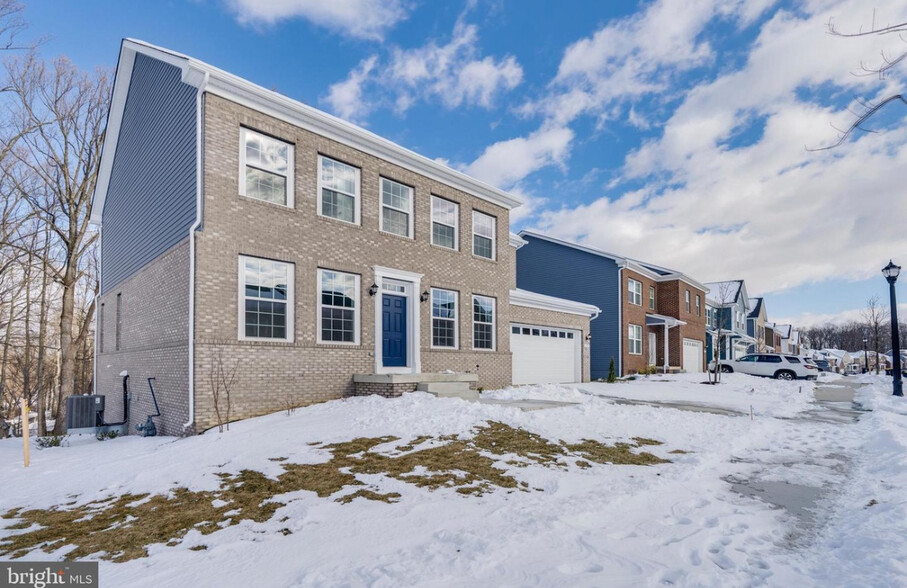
[357, 197]
[494, 235]
[456, 225]
[494, 322]
[291, 163]
[631, 294]
[357, 314]
[291, 301]
[631, 339]
[381, 205]
[456, 319]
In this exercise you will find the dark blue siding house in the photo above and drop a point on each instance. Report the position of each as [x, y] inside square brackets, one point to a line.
[547, 267]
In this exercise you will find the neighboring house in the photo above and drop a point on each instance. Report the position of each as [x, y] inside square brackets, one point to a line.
[651, 315]
[242, 230]
[789, 338]
[755, 326]
[729, 311]
[838, 359]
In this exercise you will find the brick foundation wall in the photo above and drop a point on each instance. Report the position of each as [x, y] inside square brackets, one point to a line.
[549, 318]
[271, 374]
[154, 342]
[382, 389]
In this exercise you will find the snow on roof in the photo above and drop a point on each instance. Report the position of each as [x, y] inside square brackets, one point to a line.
[732, 287]
[756, 305]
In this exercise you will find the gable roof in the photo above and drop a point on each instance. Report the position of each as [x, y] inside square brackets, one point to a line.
[783, 330]
[756, 305]
[732, 287]
[207, 78]
[652, 271]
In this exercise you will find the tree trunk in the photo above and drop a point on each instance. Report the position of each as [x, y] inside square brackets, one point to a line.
[41, 407]
[67, 348]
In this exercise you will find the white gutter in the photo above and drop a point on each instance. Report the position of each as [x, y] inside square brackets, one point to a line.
[97, 317]
[199, 201]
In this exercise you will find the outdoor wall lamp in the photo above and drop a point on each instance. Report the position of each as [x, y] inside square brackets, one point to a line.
[891, 273]
[373, 290]
[425, 296]
[588, 336]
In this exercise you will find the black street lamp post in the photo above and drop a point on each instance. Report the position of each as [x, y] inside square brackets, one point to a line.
[891, 272]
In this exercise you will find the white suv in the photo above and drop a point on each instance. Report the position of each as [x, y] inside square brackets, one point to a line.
[770, 365]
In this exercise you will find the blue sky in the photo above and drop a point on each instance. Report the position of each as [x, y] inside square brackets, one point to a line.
[673, 131]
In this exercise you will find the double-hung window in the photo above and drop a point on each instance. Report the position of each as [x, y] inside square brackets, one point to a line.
[634, 290]
[652, 297]
[443, 318]
[635, 334]
[444, 222]
[687, 300]
[266, 165]
[266, 292]
[396, 208]
[698, 306]
[483, 320]
[338, 307]
[483, 234]
[338, 190]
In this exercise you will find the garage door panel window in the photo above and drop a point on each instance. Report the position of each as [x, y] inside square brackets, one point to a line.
[635, 334]
[443, 318]
[483, 321]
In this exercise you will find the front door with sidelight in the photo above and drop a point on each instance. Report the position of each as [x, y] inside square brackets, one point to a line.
[393, 330]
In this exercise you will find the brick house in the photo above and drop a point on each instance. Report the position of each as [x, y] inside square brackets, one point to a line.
[652, 317]
[243, 230]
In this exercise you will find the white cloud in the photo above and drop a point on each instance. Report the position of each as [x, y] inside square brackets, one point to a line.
[453, 73]
[507, 162]
[363, 19]
[765, 209]
[346, 98]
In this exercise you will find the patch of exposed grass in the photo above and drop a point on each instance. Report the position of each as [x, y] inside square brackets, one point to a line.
[120, 528]
[647, 441]
[198, 548]
[679, 452]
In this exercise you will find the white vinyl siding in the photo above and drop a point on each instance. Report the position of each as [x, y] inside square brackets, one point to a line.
[338, 190]
[266, 168]
[483, 322]
[338, 307]
[266, 299]
[634, 291]
[445, 222]
[634, 332]
[444, 313]
[483, 235]
[396, 208]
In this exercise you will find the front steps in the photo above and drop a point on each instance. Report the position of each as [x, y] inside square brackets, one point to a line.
[449, 390]
[441, 384]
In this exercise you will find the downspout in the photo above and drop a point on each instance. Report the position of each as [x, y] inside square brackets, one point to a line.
[199, 201]
[97, 312]
[620, 321]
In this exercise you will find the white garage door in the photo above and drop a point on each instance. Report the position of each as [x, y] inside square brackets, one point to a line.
[692, 355]
[542, 355]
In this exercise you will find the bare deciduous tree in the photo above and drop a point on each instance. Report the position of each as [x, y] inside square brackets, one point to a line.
[58, 119]
[723, 295]
[875, 317]
[221, 376]
[870, 109]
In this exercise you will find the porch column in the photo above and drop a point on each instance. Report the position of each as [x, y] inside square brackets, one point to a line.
[667, 362]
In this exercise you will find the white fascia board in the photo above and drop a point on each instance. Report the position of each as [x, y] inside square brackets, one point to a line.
[516, 241]
[529, 299]
[217, 81]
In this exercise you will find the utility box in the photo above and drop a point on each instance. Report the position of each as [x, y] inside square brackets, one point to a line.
[84, 411]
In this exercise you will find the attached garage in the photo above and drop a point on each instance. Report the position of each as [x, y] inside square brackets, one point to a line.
[545, 355]
[548, 338]
[692, 355]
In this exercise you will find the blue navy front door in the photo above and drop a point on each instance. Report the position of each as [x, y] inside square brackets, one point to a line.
[393, 336]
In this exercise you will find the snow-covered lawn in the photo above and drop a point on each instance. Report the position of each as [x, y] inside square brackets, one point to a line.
[599, 525]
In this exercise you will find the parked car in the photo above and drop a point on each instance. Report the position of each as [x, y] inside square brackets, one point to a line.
[822, 364]
[770, 365]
